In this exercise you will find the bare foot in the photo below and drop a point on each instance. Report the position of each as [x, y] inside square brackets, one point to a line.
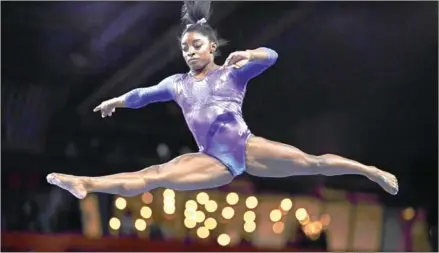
[70, 183]
[386, 180]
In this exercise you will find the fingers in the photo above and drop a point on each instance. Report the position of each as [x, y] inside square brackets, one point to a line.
[105, 113]
[230, 60]
[97, 108]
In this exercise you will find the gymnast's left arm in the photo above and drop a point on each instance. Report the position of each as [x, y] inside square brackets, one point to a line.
[251, 63]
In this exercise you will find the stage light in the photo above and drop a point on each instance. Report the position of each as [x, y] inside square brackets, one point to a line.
[223, 239]
[147, 198]
[210, 223]
[168, 193]
[251, 202]
[190, 223]
[301, 214]
[232, 198]
[408, 213]
[167, 201]
[169, 209]
[190, 213]
[325, 219]
[140, 224]
[249, 227]
[199, 216]
[203, 232]
[114, 223]
[202, 198]
[191, 204]
[120, 203]
[305, 220]
[286, 204]
[278, 227]
[228, 212]
[275, 215]
[249, 216]
[211, 206]
[146, 212]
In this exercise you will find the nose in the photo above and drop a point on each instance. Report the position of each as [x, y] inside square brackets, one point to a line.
[190, 53]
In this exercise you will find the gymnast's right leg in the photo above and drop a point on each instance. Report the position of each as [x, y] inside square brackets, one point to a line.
[187, 172]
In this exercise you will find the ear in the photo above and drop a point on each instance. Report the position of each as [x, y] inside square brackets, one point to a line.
[213, 47]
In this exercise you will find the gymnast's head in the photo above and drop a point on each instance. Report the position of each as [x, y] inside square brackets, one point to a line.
[199, 42]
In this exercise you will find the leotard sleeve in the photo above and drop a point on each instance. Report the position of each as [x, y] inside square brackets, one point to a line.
[140, 97]
[256, 67]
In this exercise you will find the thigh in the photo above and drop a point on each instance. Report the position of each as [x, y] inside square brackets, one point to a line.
[265, 158]
[193, 172]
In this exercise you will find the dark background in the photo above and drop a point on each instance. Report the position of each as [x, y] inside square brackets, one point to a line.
[356, 79]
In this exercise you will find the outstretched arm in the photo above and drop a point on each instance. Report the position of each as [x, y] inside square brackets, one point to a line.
[139, 97]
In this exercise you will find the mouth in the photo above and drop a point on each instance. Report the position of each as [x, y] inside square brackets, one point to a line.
[193, 60]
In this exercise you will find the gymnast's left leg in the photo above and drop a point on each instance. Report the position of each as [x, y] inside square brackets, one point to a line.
[267, 158]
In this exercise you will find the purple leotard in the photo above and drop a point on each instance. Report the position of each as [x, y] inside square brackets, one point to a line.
[212, 108]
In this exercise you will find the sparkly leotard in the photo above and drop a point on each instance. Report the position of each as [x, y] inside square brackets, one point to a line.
[212, 108]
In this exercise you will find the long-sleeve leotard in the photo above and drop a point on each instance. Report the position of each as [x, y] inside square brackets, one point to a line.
[212, 107]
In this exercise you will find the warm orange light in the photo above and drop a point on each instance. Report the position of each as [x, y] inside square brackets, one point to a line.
[278, 227]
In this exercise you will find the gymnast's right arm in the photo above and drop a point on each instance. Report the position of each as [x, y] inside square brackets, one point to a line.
[139, 97]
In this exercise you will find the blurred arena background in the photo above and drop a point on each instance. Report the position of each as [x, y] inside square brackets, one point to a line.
[353, 78]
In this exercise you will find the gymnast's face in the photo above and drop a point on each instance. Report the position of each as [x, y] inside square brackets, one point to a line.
[197, 50]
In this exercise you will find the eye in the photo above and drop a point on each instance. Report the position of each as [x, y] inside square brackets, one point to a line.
[197, 45]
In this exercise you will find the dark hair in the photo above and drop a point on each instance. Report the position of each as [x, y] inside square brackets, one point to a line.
[191, 13]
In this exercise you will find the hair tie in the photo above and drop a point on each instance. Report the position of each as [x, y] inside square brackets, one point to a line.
[200, 22]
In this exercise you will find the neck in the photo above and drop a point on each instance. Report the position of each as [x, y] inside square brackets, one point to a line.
[209, 67]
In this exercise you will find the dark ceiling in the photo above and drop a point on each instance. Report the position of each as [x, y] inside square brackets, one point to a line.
[353, 78]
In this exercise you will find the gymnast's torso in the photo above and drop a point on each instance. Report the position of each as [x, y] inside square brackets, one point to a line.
[212, 108]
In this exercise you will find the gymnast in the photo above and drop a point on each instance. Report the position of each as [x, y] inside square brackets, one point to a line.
[210, 97]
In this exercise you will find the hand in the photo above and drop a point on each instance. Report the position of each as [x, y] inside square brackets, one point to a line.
[238, 59]
[107, 107]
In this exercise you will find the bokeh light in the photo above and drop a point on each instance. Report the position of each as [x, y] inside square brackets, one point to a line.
[211, 206]
[147, 198]
[275, 215]
[114, 223]
[140, 224]
[249, 227]
[202, 198]
[210, 223]
[232, 198]
[190, 213]
[286, 204]
[168, 193]
[251, 202]
[191, 204]
[169, 209]
[228, 212]
[408, 213]
[249, 216]
[146, 212]
[325, 219]
[120, 203]
[224, 240]
[203, 232]
[301, 214]
[278, 227]
[190, 223]
[199, 216]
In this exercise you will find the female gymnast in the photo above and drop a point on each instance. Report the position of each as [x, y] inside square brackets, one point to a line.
[211, 97]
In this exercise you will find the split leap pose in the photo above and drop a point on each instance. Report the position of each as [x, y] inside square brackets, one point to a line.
[211, 97]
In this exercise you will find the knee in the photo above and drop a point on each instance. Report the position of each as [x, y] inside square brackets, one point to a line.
[152, 175]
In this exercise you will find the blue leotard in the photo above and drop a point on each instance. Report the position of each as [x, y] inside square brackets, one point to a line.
[212, 108]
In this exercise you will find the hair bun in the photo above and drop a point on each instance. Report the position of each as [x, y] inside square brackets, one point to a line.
[194, 11]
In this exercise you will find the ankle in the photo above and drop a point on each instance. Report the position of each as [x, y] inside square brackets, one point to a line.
[86, 182]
